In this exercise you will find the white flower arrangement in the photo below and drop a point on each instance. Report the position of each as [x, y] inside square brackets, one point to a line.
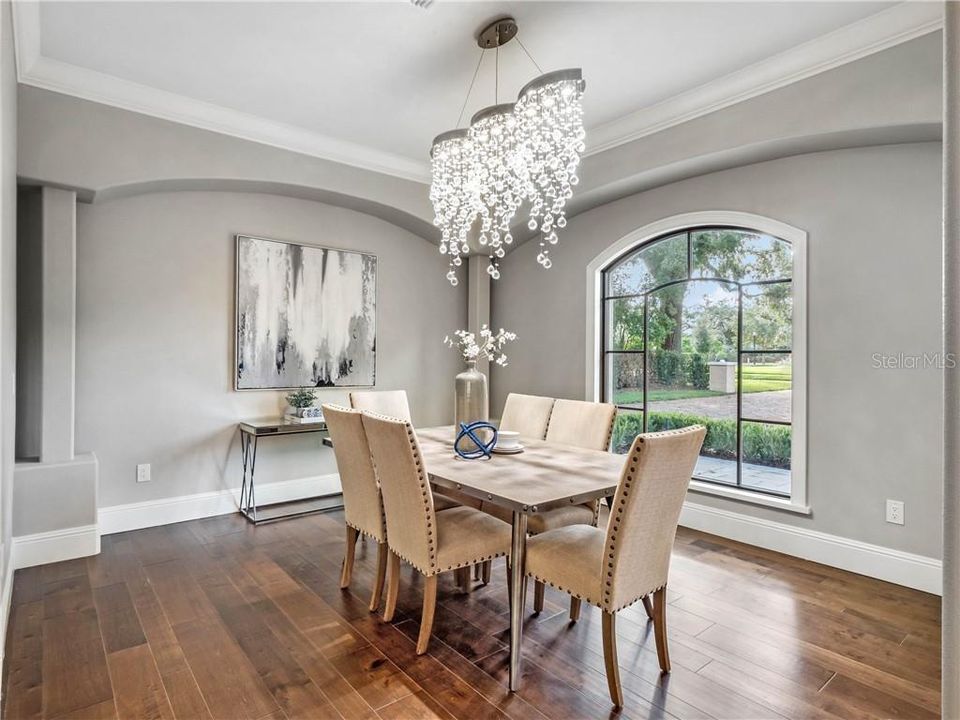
[490, 346]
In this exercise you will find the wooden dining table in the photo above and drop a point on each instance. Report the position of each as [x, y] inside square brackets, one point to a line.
[543, 476]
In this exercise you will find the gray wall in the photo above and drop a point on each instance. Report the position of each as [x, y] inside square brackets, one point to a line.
[155, 332]
[8, 280]
[874, 223]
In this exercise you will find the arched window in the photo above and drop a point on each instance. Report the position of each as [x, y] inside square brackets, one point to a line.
[697, 326]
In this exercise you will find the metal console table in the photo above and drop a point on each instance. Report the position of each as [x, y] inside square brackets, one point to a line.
[251, 431]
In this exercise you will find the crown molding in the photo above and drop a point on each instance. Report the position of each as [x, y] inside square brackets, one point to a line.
[890, 27]
[873, 34]
[36, 70]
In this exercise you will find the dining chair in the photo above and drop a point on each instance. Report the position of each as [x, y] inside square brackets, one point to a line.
[630, 559]
[393, 403]
[581, 424]
[432, 542]
[362, 504]
[527, 415]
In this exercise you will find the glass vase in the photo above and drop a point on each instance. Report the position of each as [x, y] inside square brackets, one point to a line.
[471, 402]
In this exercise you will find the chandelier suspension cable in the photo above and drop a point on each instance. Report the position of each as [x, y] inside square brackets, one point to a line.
[496, 77]
[470, 89]
[536, 64]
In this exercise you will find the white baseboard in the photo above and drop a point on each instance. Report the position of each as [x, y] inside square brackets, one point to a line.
[134, 516]
[914, 571]
[54, 546]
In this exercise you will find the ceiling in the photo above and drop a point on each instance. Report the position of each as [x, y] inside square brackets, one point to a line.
[384, 78]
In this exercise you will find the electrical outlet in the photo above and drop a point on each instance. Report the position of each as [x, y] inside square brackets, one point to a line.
[143, 473]
[895, 512]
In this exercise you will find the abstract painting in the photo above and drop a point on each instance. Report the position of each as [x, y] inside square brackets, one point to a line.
[306, 316]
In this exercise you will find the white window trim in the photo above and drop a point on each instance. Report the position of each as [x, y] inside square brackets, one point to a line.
[798, 240]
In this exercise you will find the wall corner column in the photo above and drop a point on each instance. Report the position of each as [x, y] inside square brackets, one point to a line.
[59, 293]
[951, 341]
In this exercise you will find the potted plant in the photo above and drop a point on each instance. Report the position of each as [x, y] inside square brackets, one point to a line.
[301, 403]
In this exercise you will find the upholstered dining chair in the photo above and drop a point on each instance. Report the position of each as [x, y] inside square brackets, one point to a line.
[527, 415]
[432, 542]
[579, 424]
[630, 559]
[392, 403]
[362, 504]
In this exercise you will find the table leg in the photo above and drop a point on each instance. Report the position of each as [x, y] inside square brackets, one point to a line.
[252, 497]
[518, 587]
[245, 455]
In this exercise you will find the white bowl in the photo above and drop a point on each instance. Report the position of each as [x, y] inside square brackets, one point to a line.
[508, 439]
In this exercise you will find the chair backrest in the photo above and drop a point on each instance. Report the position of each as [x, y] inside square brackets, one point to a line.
[645, 512]
[528, 415]
[392, 403]
[362, 504]
[582, 424]
[407, 497]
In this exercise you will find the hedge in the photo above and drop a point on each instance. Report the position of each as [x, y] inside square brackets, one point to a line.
[678, 368]
[762, 444]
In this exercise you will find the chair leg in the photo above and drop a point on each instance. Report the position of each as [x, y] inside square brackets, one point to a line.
[610, 658]
[538, 588]
[648, 606]
[476, 571]
[462, 577]
[426, 620]
[382, 552]
[509, 578]
[574, 609]
[660, 628]
[393, 586]
[485, 574]
[348, 553]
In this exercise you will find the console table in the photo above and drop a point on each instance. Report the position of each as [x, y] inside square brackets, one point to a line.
[251, 431]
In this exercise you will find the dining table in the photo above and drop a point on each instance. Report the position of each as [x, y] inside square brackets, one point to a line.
[543, 476]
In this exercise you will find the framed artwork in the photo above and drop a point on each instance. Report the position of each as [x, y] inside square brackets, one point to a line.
[306, 316]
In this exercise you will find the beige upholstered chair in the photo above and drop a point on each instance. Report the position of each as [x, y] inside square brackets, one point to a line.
[581, 424]
[629, 560]
[433, 542]
[527, 415]
[392, 403]
[362, 504]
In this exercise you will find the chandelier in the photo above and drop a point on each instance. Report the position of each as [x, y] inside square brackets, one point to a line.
[513, 154]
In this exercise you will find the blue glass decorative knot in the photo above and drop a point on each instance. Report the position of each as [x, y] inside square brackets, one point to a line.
[482, 448]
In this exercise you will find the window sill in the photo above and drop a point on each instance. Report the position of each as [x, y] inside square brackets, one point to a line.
[746, 496]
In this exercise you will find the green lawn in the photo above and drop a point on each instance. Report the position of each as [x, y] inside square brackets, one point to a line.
[756, 378]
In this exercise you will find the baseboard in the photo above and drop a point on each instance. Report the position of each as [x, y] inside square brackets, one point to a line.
[134, 516]
[914, 571]
[54, 546]
[6, 598]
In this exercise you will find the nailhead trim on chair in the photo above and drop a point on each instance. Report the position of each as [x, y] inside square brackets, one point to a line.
[607, 589]
[426, 494]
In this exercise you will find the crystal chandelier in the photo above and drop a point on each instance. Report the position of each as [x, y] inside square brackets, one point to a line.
[523, 152]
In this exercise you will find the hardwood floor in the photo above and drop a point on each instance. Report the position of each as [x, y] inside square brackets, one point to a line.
[218, 619]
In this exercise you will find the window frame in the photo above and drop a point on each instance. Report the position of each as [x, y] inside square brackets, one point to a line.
[597, 354]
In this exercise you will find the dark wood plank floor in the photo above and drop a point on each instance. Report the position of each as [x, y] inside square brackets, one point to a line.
[218, 619]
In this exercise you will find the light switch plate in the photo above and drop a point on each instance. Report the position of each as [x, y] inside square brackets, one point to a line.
[143, 473]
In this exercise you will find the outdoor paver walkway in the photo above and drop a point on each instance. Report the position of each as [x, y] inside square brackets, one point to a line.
[773, 405]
